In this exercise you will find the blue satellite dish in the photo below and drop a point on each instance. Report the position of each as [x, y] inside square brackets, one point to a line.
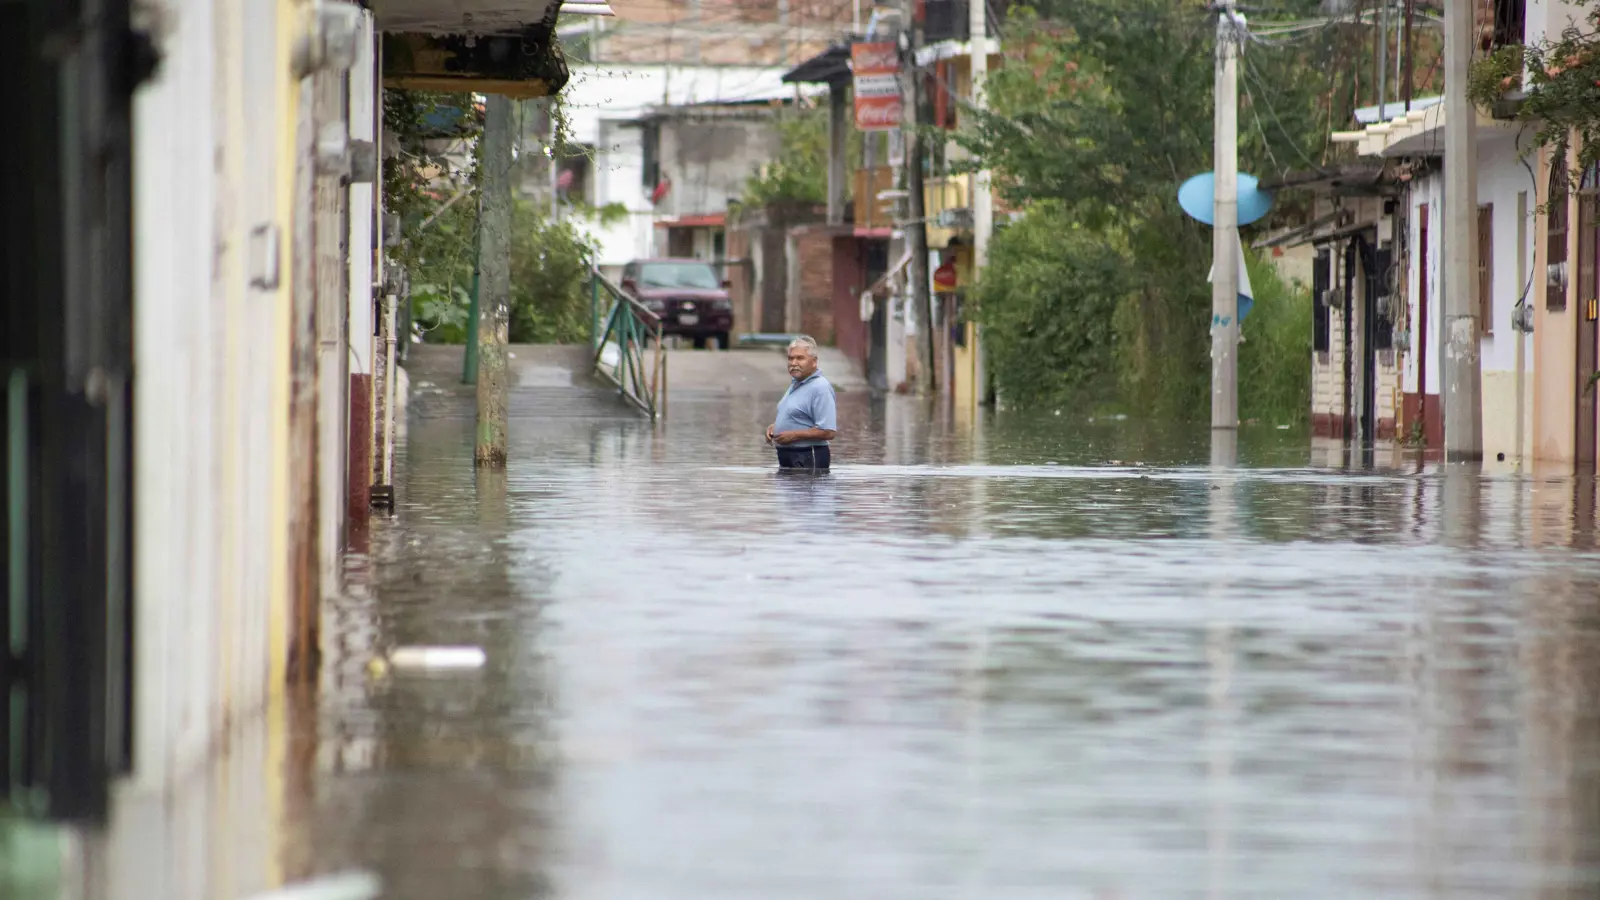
[1198, 195]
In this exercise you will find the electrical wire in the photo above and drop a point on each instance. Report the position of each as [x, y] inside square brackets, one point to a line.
[1250, 72]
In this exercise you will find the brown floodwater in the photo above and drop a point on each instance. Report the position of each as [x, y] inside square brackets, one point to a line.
[1028, 657]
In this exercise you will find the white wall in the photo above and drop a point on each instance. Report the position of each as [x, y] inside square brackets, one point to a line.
[174, 435]
[1502, 175]
[618, 178]
[600, 103]
[710, 161]
[1429, 192]
[1550, 17]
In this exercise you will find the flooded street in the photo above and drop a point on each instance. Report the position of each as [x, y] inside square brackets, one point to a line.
[1033, 657]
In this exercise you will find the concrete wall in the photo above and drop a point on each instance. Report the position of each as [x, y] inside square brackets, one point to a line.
[1554, 335]
[603, 104]
[709, 159]
[219, 140]
[1506, 183]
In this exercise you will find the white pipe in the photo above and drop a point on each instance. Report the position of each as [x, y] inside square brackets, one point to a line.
[391, 368]
[1521, 336]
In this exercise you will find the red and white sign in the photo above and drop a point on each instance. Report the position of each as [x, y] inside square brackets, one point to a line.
[877, 86]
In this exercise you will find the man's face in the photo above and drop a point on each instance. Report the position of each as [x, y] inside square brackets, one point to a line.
[801, 363]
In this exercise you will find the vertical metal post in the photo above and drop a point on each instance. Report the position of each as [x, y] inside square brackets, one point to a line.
[1383, 59]
[916, 228]
[1463, 411]
[1410, 53]
[595, 337]
[1224, 234]
[982, 198]
[1521, 335]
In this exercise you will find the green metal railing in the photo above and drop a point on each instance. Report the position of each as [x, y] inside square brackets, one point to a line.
[623, 332]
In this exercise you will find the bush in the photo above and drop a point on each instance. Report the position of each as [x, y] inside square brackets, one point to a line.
[1047, 301]
[1275, 357]
[550, 265]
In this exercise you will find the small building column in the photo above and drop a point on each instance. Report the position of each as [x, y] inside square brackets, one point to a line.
[838, 151]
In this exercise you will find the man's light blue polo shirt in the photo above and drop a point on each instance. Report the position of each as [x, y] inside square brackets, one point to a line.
[807, 404]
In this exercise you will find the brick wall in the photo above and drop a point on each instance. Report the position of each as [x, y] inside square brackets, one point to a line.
[815, 246]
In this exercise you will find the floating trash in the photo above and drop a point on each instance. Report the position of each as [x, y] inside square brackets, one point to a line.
[429, 658]
[354, 885]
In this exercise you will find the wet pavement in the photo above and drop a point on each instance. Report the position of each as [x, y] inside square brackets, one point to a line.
[1027, 657]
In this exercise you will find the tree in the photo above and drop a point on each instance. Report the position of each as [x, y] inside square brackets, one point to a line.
[1100, 111]
[1562, 87]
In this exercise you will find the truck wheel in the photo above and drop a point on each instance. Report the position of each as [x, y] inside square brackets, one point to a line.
[700, 342]
[722, 341]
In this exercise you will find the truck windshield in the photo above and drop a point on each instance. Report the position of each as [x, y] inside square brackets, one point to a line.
[679, 275]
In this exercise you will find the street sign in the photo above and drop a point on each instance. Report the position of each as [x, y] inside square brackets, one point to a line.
[876, 65]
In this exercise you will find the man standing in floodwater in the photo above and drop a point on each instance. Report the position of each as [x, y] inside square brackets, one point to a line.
[806, 418]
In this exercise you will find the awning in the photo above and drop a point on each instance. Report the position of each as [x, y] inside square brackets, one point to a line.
[1361, 177]
[831, 66]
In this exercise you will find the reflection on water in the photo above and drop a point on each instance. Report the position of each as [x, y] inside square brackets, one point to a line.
[1027, 658]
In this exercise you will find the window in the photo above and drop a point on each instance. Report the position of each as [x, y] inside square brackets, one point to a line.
[1555, 269]
[696, 275]
[1486, 269]
[1321, 276]
[1383, 322]
[1587, 220]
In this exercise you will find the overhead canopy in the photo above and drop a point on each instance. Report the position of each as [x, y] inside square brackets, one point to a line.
[831, 66]
[1352, 178]
[477, 17]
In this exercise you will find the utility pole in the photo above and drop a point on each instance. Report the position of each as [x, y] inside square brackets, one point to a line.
[916, 229]
[982, 199]
[1383, 60]
[1225, 231]
[1409, 51]
[1463, 413]
[494, 284]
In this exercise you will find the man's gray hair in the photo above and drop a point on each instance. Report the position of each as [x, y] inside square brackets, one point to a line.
[806, 341]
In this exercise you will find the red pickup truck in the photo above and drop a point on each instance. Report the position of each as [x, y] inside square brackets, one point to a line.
[685, 294]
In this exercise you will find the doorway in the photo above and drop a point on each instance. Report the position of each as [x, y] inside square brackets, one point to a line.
[66, 391]
[1586, 324]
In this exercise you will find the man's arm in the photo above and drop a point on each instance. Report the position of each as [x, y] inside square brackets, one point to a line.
[805, 434]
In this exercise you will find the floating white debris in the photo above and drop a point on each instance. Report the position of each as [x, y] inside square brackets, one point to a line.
[437, 657]
[356, 885]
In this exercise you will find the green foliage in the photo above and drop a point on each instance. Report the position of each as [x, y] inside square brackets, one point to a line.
[1096, 117]
[799, 172]
[425, 124]
[1562, 87]
[1275, 356]
[1047, 305]
[441, 259]
[550, 264]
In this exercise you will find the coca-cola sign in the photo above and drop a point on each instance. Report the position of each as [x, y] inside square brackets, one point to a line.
[876, 66]
[874, 58]
[878, 113]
